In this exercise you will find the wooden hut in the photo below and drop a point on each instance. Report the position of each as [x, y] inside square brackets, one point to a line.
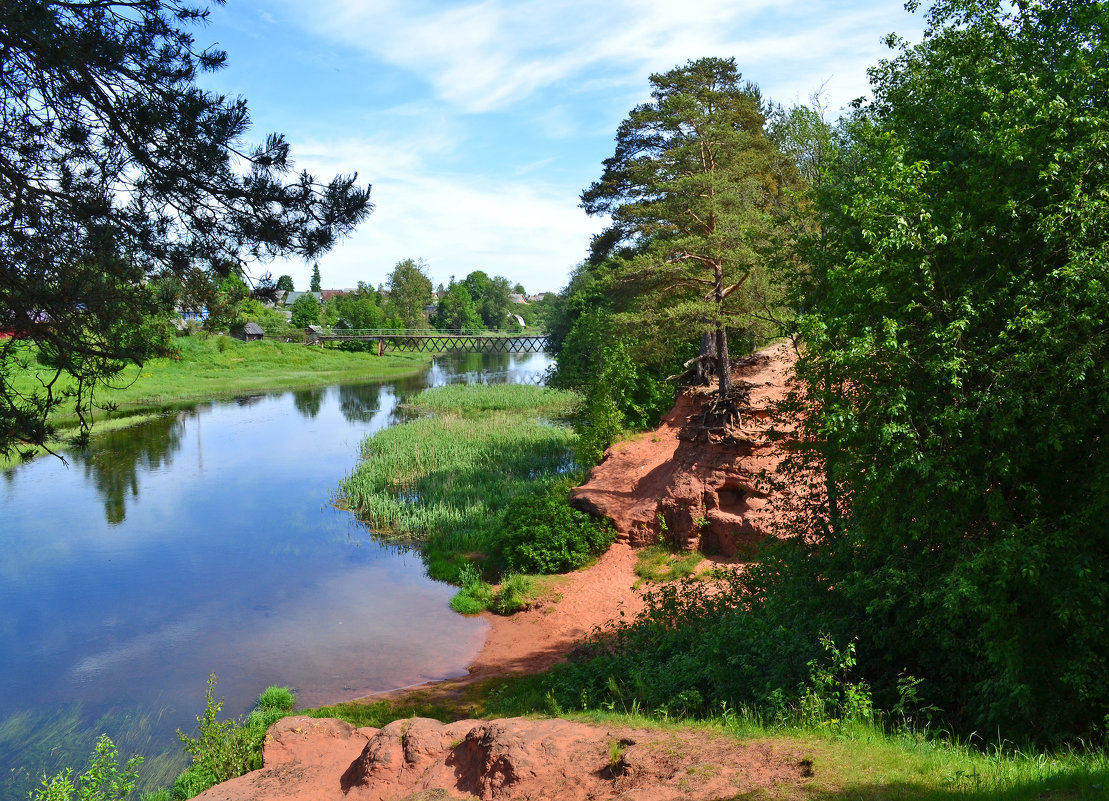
[248, 333]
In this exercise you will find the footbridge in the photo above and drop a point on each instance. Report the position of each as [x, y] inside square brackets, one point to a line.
[427, 340]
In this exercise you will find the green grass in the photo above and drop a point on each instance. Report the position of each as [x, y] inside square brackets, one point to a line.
[443, 480]
[215, 366]
[472, 398]
[659, 563]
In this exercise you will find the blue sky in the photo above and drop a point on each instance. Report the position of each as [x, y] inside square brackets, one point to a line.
[479, 123]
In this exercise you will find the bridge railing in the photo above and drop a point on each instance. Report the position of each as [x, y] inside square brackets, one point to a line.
[430, 332]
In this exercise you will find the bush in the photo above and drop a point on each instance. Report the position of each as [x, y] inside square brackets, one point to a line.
[543, 534]
[476, 594]
[515, 595]
[276, 698]
[225, 749]
[103, 781]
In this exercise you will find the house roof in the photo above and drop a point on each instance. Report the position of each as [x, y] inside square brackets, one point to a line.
[252, 329]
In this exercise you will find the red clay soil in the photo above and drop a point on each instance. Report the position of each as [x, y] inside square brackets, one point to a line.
[698, 486]
[678, 471]
[703, 483]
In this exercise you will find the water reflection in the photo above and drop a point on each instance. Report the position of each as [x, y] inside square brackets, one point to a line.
[359, 403]
[114, 460]
[308, 401]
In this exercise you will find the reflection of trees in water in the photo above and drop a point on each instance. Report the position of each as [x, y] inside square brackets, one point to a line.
[248, 400]
[308, 401]
[113, 459]
[359, 402]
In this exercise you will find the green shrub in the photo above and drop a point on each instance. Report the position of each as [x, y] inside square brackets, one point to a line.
[225, 749]
[104, 780]
[476, 594]
[281, 698]
[473, 599]
[543, 534]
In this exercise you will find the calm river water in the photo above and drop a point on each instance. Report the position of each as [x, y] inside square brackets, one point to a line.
[207, 541]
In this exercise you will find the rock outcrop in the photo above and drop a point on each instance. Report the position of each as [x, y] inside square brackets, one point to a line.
[692, 480]
[505, 760]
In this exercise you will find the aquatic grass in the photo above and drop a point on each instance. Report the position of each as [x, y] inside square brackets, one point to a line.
[444, 479]
[447, 474]
[470, 398]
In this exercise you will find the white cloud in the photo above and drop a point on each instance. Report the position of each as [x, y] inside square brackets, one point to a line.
[526, 230]
[481, 56]
[514, 103]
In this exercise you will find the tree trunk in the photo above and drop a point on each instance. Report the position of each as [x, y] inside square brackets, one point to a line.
[702, 371]
[723, 363]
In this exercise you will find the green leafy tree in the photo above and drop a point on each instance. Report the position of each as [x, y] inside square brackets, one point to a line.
[306, 311]
[954, 369]
[410, 293]
[285, 283]
[496, 303]
[457, 310]
[224, 303]
[360, 310]
[314, 286]
[117, 168]
[692, 190]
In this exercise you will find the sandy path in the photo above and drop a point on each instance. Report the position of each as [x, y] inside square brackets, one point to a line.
[532, 641]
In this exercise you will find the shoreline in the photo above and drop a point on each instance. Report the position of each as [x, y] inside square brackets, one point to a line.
[532, 641]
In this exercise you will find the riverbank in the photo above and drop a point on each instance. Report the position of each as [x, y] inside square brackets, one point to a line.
[215, 367]
[492, 746]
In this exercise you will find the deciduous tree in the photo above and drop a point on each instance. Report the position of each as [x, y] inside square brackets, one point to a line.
[956, 364]
[410, 293]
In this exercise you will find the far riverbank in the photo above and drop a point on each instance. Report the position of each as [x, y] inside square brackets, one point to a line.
[219, 367]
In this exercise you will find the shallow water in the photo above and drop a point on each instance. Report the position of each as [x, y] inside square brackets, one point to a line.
[206, 541]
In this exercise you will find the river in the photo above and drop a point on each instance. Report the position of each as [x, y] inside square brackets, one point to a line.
[205, 541]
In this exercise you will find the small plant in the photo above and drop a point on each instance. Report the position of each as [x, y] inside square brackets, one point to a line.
[476, 594]
[831, 697]
[515, 594]
[104, 780]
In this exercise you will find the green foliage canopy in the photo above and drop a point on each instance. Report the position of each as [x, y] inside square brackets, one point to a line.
[306, 311]
[956, 358]
[409, 293]
[457, 310]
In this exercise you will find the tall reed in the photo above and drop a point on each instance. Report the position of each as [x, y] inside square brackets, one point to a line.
[444, 479]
